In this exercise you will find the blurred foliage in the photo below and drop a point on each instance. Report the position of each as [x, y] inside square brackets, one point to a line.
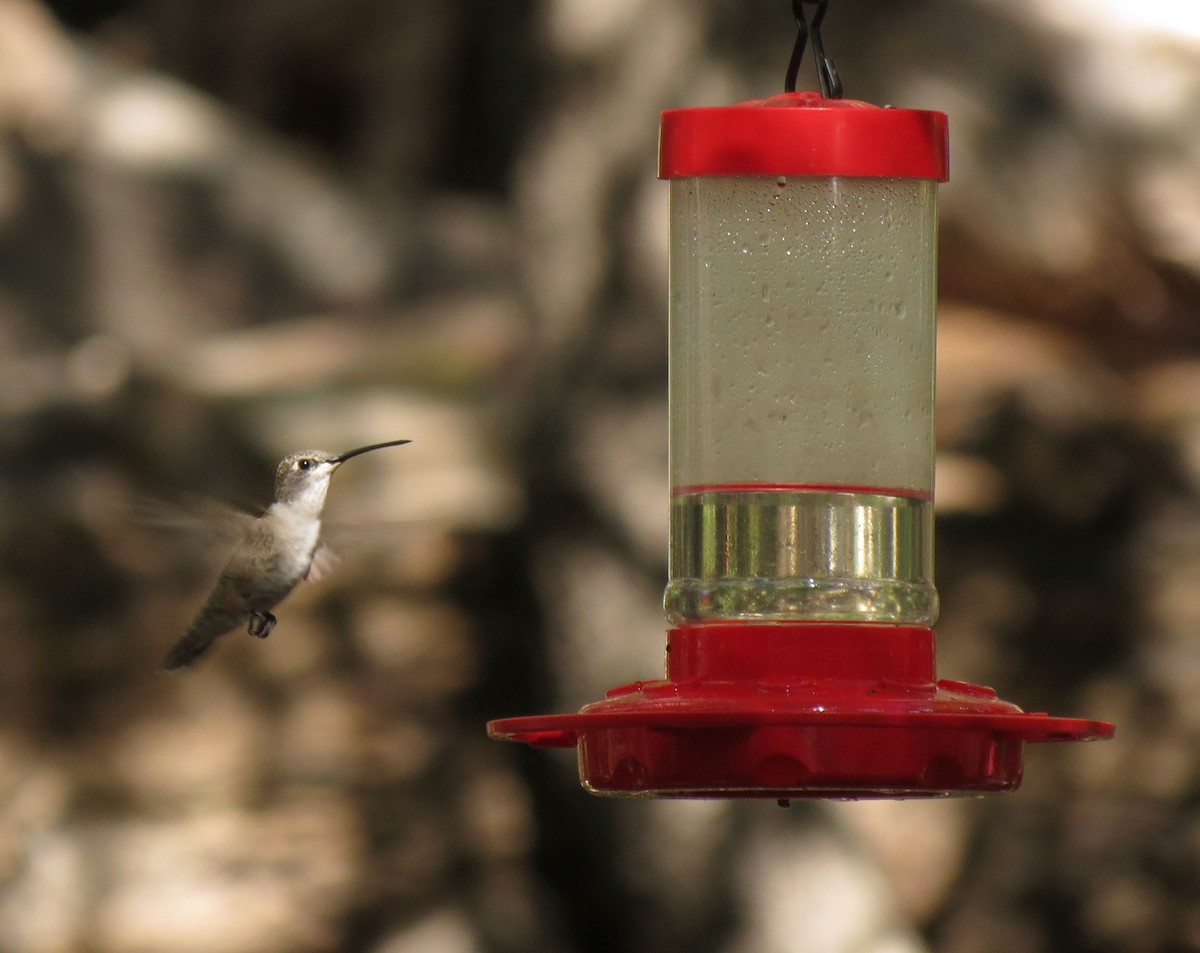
[232, 230]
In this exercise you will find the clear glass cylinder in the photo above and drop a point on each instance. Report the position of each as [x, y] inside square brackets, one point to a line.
[802, 336]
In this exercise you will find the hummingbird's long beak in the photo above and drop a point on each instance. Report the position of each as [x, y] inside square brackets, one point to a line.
[342, 458]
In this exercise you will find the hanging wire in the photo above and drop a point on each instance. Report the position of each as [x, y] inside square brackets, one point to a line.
[827, 74]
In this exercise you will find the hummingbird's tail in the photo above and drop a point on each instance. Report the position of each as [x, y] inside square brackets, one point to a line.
[211, 623]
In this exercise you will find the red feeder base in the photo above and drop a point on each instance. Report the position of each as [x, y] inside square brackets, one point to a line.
[790, 710]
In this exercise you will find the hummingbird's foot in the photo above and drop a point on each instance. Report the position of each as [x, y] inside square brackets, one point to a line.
[261, 624]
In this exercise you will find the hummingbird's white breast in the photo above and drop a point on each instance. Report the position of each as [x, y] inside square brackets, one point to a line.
[297, 533]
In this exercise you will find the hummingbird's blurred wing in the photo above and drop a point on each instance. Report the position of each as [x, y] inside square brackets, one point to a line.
[203, 522]
[345, 536]
[341, 540]
[324, 561]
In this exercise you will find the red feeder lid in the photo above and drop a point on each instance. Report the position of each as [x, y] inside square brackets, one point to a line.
[804, 134]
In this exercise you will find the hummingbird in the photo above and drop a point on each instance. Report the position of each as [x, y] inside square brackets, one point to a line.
[276, 551]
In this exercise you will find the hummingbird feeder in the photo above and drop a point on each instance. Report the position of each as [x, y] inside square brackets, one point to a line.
[800, 659]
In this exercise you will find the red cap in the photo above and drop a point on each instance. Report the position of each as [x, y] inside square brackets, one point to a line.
[804, 134]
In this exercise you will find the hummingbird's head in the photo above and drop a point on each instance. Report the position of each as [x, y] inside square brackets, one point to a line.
[303, 478]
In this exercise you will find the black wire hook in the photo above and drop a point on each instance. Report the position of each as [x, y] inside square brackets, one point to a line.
[827, 74]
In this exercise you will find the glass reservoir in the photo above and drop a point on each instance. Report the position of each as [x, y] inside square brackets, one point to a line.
[802, 332]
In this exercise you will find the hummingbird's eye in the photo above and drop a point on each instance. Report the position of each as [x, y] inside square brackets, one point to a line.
[304, 464]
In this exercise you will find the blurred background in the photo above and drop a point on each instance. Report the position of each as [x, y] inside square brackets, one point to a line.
[231, 230]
